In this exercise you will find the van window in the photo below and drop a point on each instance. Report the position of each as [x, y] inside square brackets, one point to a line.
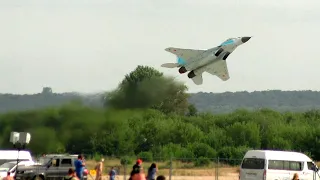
[66, 162]
[44, 160]
[274, 164]
[55, 162]
[285, 165]
[252, 163]
[296, 166]
[310, 165]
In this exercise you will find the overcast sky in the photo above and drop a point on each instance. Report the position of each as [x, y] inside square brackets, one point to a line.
[88, 46]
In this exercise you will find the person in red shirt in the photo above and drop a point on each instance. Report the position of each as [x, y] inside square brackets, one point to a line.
[137, 171]
[139, 175]
[8, 177]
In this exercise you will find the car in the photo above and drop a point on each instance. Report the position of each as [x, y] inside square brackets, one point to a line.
[11, 167]
[50, 167]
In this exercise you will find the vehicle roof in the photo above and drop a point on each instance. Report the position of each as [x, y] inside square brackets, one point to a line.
[55, 155]
[21, 162]
[277, 155]
[13, 154]
[59, 156]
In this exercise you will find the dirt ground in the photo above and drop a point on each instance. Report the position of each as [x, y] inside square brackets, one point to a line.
[192, 174]
[178, 173]
[224, 172]
[230, 176]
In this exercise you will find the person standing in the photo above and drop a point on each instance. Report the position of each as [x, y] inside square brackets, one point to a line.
[79, 164]
[99, 169]
[152, 171]
[136, 167]
[139, 174]
[112, 174]
[295, 176]
[8, 177]
[71, 175]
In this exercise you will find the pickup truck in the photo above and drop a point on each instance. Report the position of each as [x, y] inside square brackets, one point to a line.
[49, 168]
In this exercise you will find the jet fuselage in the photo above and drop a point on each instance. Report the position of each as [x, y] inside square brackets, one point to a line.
[212, 55]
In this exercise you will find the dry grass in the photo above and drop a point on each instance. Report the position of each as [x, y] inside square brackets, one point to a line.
[181, 171]
[178, 168]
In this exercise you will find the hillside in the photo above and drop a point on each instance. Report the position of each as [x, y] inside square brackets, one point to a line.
[212, 102]
[274, 99]
[12, 102]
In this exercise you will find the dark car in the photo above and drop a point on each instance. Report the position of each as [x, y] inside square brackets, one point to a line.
[49, 168]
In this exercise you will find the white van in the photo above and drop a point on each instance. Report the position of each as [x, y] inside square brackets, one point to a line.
[12, 155]
[276, 165]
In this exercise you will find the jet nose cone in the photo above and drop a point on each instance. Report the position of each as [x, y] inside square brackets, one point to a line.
[245, 39]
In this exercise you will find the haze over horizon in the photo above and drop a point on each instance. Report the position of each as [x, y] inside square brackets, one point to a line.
[88, 46]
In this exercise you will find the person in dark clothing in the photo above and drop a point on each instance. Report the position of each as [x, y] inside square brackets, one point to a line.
[136, 168]
[112, 174]
[161, 177]
[152, 172]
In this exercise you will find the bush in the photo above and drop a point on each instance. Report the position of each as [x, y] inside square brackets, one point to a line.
[97, 156]
[202, 161]
[203, 150]
[146, 156]
[185, 155]
[125, 160]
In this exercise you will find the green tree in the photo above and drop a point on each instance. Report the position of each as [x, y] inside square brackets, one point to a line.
[192, 110]
[146, 87]
[245, 134]
[44, 140]
[75, 128]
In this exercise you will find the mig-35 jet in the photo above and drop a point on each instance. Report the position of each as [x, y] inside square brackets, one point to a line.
[211, 60]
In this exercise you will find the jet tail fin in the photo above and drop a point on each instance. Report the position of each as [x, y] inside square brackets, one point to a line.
[170, 65]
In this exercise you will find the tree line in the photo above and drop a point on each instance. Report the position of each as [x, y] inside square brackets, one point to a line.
[282, 101]
[148, 115]
[74, 128]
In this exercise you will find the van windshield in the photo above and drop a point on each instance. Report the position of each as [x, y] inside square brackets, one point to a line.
[2, 161]
[252, 163]
[44, 160]
[6, 166]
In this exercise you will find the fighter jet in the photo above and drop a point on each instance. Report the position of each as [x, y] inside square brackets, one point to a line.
[212, 60]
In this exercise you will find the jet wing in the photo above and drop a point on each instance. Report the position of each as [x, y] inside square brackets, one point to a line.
[185, 55]
[219, 69]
